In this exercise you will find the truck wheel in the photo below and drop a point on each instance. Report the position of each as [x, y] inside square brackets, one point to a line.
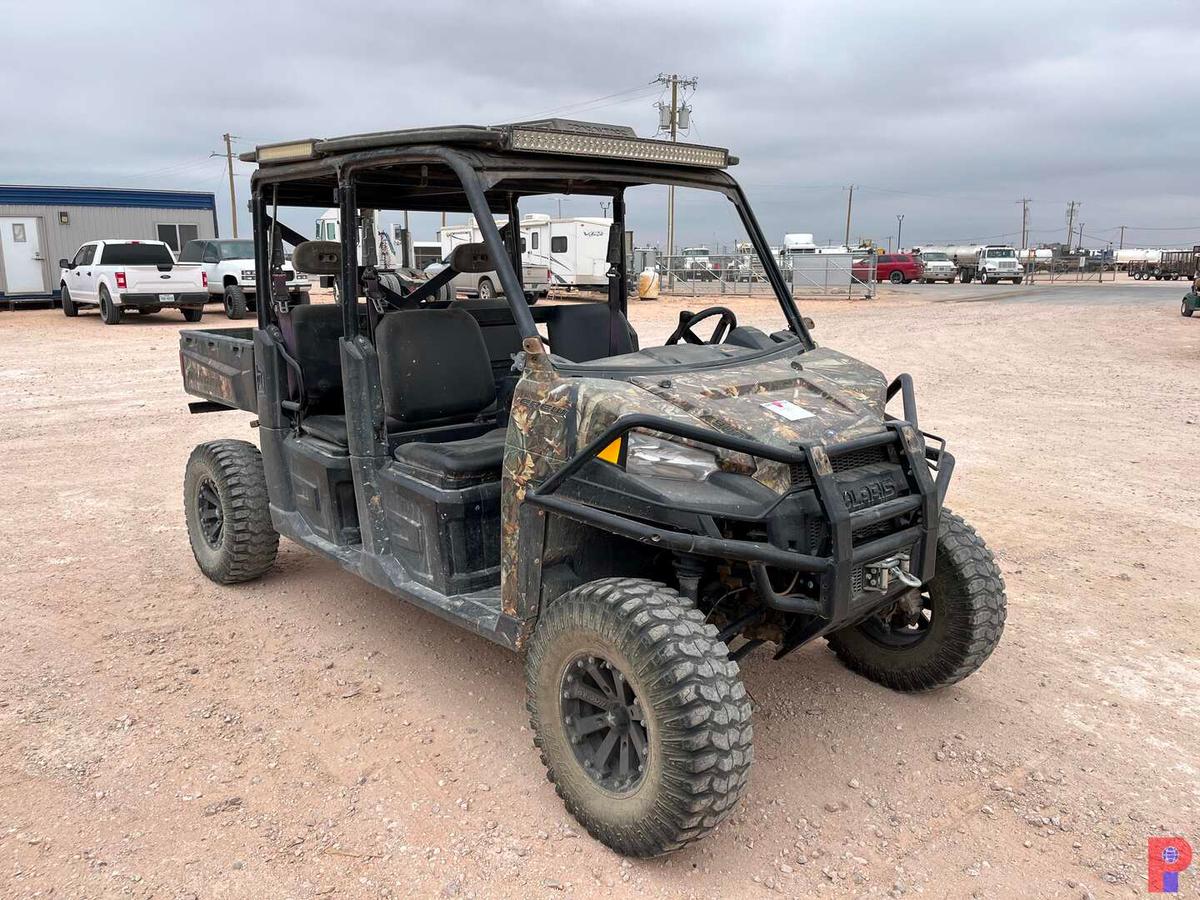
[486, 289]
[235, 301]
[896, 278]
[964, 277]
[641, 719]
[192, 313]
[70, 310]
[226, 506]
[1184, 310]
[110, 313]
[957, 627]
[1018, 280]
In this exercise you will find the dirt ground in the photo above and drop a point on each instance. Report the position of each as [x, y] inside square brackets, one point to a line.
[310, 736]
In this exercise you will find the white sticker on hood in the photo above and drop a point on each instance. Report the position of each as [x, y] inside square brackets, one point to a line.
[788, 410]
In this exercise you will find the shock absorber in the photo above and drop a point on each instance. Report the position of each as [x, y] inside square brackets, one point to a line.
[688, 571]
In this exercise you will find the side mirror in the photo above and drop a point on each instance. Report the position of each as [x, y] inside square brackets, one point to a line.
[808, 323]
[318, 258]
[65, 263]
[471, 258]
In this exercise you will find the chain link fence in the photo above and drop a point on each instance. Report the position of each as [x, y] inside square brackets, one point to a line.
[1069, 268]
[743, 275]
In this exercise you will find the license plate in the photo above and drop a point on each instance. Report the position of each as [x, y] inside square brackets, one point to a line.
[166, 298]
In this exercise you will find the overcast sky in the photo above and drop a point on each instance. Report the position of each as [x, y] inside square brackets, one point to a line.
[945, 113]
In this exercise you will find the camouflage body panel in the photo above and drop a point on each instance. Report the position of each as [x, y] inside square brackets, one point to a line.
[554, 415]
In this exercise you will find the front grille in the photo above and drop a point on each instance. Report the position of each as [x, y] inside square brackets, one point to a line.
[801, 477]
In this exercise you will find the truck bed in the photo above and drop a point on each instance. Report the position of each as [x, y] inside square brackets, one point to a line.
[218, 365]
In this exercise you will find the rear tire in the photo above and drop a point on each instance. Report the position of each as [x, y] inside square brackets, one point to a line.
[70, 310]
[192, 313]
[227, 510]
[896, 278]
[486, 289]
[110, 313]
[653, 750]
[966, 605]
[235, 301]
[1184, 310]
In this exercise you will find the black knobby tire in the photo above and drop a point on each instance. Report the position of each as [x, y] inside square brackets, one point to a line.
[109, 311]
[192, 313]
[967, 607]
[235, 301]
[228, 517]
[693, 709]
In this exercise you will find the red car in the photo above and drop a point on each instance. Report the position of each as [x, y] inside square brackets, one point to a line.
[898, 268]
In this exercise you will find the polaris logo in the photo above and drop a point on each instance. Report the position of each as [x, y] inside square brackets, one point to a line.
[870, 494]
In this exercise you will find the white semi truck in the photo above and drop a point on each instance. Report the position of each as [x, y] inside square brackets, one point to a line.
[989, 263]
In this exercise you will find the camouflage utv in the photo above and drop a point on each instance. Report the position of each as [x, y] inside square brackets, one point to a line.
[634, 518]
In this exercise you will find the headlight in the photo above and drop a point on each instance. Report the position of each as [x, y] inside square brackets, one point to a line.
[647, 455]
[247, 274]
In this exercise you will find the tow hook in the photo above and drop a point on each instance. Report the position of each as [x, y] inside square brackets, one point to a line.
[877, 576]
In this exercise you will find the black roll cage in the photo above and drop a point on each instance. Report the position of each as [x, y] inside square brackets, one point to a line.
[478, 171]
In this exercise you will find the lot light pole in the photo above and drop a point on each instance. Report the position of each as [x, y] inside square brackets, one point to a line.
[899, 231]
[232, 196]
[672, 125]
[849, 206]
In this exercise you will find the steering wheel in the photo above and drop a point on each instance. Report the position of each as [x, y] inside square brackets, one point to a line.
[688, 320]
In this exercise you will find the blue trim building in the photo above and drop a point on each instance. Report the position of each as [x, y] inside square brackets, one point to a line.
[40, 225]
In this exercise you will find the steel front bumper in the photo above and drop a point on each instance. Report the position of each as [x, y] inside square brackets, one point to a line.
[837, 597]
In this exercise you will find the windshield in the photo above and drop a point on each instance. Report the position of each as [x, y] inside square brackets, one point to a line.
[565, 262]
[1000, 254]
[136, 255]
[235, 249]
[934, 257]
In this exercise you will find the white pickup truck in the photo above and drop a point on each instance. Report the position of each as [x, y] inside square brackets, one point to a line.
[229, 265]
[140, 275]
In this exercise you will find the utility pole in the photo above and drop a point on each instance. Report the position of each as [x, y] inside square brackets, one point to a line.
[671, 123]
[849, 206]
[1079, 246]
[1024, 201]
[1121, 246]
[1071, 208]
[899, 231]
[232, 197]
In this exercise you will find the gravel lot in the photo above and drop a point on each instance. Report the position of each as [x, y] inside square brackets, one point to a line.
[310, 736]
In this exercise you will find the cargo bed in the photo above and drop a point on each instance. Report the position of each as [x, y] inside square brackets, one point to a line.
[218, 365]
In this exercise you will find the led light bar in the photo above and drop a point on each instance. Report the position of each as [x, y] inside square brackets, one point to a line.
[296, 150]
[574, 144]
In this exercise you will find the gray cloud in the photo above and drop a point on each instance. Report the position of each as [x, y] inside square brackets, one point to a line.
[946, 113]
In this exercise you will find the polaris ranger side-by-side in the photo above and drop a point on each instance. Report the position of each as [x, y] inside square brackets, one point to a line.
[634, 519]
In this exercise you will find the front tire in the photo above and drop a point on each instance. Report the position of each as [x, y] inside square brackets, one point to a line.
[110, 313]
[486, 289]
[955, 631]
[227, 510]
[235, 301]
[70, 310]
[641, 719]
[896, 278]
